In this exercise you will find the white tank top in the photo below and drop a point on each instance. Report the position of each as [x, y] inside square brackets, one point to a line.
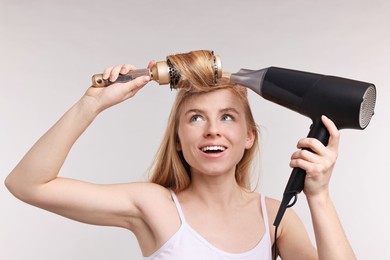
[188, 244]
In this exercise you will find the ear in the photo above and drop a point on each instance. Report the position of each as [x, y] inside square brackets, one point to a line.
[250, 139]
[178, 146]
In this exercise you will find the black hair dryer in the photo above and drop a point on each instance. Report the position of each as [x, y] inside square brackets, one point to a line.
[348, 103]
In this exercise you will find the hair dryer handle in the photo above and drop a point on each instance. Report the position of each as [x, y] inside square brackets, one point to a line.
[297, 178]
[296, 182]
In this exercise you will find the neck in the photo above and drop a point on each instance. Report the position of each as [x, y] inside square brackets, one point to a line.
[215, 191]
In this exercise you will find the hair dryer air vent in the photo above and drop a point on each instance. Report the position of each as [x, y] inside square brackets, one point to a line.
[367, 106]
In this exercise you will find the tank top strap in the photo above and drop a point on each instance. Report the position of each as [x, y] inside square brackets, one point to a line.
[265, 214]
[178, 207]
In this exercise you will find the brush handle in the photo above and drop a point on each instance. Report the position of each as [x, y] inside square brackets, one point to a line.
[99, 82]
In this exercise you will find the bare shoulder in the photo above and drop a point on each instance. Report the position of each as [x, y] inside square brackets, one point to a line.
[292, 237]
[273, 207]
[151, 198]
[148, 189]
[148, 194]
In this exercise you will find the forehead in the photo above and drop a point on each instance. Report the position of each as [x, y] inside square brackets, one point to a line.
[218, 99]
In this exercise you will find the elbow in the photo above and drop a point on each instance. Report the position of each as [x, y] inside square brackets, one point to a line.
[15, 189]
[23, 190]
[10, 185]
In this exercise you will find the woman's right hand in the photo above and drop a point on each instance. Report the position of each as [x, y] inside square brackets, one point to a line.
[117, 92]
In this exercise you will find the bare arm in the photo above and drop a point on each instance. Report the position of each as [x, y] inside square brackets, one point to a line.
[35, 179]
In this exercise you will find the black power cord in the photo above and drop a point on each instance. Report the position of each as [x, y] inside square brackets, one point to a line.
[276, 224]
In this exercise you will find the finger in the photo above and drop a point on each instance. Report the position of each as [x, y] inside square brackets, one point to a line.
[136, 84]
[308, 167]
[107, 72]
[305, 155]
[126, 68]
[302, 164]
[115, 72]
[151, 64]
[334, 133]
[141, 82]
[311, 143]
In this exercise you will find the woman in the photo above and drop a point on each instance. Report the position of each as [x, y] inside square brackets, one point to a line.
[199, 203]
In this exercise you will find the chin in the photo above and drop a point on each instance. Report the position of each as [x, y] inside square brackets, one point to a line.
[216, 171]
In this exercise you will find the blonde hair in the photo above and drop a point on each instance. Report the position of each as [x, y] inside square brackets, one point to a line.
[197, 77]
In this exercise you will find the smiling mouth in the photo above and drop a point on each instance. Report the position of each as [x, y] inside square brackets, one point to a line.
[213, 149]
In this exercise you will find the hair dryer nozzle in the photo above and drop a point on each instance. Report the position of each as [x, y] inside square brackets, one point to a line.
[252, 79]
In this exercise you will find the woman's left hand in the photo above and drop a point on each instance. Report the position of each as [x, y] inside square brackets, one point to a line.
[318, 164]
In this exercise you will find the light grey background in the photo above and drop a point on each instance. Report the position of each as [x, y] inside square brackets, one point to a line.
[50, 49]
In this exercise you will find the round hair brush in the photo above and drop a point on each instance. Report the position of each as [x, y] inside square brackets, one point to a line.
[163, 72]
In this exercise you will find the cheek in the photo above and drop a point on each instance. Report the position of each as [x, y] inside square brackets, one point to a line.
[237, 134]
[183, 138]
[188, 154]
[187, 143]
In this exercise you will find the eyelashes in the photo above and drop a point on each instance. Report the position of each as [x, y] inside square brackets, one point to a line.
[227, 117]
[198, 117]
[195, 118]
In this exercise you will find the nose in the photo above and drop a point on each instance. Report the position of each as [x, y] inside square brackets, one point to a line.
[212, 129]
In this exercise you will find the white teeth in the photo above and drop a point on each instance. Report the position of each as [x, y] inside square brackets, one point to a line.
[213, 148]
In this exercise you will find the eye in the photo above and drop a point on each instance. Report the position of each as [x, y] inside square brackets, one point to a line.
[195, 118]
[227, 117]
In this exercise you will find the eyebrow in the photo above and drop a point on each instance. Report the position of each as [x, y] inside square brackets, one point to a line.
[224, 110]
